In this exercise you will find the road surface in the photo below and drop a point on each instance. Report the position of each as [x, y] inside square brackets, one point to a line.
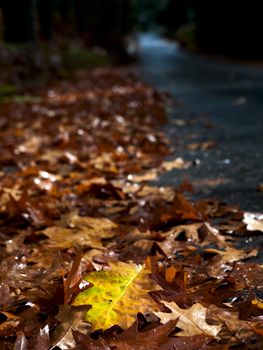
[217, 100]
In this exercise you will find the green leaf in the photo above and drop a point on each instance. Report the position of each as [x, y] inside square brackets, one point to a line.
[117, 295]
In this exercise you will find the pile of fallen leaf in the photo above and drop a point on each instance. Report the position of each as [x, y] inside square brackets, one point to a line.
[92, 255]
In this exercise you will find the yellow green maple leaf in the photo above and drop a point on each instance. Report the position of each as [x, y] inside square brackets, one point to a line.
[117, 295]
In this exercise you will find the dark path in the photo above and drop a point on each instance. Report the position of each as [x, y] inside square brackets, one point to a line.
[220, 101]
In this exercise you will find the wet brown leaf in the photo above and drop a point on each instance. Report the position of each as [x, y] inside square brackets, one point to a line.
[70, 318]
[82, 231]
[192, 321]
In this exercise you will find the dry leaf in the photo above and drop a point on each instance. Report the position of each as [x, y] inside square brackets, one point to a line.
[223, 262]
[192, 321]
[83, 231]
[71, 318]
[254, 221]
[177, 163]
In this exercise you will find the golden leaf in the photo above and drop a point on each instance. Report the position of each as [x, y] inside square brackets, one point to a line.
[117, 295]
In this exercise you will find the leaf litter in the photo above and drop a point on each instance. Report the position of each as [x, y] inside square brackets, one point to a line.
[93, 255]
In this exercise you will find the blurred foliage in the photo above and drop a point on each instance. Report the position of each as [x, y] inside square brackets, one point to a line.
[26, 68]
[7, 89]
[146, 13]
[79, 57]
[186, 36]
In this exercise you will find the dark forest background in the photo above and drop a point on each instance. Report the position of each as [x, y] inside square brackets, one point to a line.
[57, 36]
[228, 26]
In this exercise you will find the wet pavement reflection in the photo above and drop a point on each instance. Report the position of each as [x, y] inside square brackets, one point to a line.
[216, 122]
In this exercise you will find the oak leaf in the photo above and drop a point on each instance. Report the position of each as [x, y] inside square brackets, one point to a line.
[192, 321]
[222, 262]
[201, 234]
[117, 295]
[86, 231]
[233, 326]
[157, 338]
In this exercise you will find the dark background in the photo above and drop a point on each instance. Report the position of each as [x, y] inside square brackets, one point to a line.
[229, 27]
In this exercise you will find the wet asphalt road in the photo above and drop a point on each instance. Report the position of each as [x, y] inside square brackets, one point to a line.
[217, 100]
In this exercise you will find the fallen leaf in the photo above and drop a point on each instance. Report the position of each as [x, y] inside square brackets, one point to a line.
[117, 295]
[192, 321]
[83, 231]
[9, 324]
[201, 234]
[73, 220]
[157, 338]
[201, 146]
[71, 318]
[178, 163]
[254, 221]
[85, 342]
[232, 325]
[184, 208]
[150, 175]
[73, 284]
[224, 259]
[171, 291]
